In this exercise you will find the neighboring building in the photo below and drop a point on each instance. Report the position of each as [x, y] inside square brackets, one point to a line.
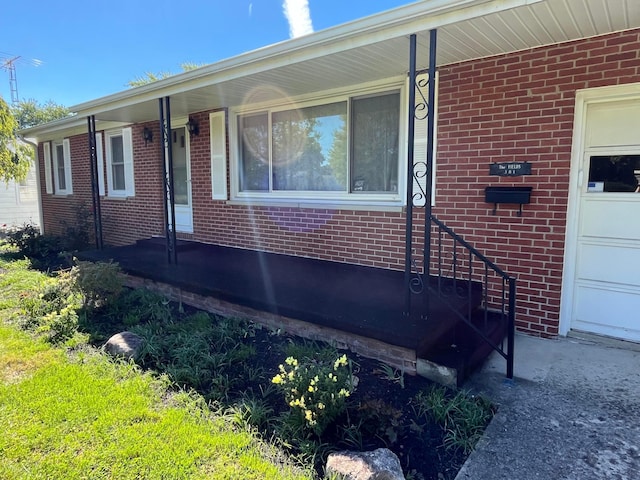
[19, 203]
[302, 149]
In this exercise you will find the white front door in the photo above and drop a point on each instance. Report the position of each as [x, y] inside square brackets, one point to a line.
[606, 287]
[182, 179]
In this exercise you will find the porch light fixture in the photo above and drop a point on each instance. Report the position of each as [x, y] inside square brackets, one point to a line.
[147, 134]
[193, 127]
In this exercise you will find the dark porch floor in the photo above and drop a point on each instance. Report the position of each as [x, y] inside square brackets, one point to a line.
[360, 300]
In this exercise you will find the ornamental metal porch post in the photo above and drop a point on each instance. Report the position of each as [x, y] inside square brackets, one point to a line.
[167, 171]
[408, 252]
[95, 189]
[416, 279]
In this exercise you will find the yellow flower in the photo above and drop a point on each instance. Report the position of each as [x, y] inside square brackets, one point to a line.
[340, 362]
[321, 406]
[312, 388]
[291, 361]
[277, 379]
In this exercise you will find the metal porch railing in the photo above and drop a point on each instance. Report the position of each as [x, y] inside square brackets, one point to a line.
[454, 267]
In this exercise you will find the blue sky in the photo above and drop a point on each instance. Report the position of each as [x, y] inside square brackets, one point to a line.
[92, 48]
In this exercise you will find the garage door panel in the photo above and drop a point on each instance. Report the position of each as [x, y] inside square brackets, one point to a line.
[611, 218]
[607, 312]
[604, 121]
[614, 264]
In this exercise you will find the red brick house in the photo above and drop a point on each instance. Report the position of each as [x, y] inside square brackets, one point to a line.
[286, 160]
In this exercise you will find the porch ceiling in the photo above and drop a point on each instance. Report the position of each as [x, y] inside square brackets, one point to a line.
[370, 49]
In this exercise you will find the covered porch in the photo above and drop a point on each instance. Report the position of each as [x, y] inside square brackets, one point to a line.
[357, 307]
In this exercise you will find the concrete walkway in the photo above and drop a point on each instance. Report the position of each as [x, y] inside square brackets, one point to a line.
[573, 412]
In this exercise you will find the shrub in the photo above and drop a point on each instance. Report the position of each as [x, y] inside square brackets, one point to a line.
[99, 283]
[76, 235]
[316, 391]
[52, 309]
[31, 243]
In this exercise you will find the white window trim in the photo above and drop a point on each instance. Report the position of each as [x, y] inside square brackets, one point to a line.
[127, 147]
[322, 199]
[66, 153]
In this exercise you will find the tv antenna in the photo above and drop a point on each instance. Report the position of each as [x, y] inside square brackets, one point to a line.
[9, 64]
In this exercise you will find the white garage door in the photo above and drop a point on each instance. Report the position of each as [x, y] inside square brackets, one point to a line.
[606, 295]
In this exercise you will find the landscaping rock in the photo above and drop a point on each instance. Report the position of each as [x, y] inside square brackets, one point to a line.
[124, 344]
[380, 464]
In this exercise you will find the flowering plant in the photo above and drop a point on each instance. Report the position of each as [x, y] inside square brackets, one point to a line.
[316, 390]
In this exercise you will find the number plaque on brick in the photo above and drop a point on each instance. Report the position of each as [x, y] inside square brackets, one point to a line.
[511, 169]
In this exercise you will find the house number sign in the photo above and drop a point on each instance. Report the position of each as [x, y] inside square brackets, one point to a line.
[512, 169]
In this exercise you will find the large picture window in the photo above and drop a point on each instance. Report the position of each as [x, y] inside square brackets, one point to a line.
[337, 149]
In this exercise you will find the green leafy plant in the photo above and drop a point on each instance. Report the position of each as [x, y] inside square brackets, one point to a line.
[315, 390]
[391, 374]
[463, 416]
[251, 411]
[381, 419]
[139, 306]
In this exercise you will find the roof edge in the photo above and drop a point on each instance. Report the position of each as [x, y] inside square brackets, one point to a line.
[333, 35]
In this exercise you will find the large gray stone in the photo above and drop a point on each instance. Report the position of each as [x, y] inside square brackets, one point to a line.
[380, 464]
[124, 344]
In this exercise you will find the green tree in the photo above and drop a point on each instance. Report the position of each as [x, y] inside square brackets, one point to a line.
[150, 77]
[15, 156]
[29, 113]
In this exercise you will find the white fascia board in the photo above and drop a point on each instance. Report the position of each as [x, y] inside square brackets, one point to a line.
[63, 128]
[402, 21]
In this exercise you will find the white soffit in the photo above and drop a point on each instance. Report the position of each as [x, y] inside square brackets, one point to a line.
[374, 48]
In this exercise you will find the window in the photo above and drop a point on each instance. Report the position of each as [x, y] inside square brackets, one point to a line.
[62, 168]
[344, 149]
[120, 163]
[614, 173]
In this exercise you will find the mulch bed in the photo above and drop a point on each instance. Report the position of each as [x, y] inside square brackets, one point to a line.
[390, 420]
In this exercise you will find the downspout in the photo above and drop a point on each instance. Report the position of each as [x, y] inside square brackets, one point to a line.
[39, 185]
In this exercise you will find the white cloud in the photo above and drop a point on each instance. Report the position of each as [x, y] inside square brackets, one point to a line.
[297, 14]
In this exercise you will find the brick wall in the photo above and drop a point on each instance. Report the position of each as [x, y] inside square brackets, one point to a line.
[126, 220]
[61, 210]
[516, 107]
[520, 107]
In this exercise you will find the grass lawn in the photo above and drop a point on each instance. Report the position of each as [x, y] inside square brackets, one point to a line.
[85, 416]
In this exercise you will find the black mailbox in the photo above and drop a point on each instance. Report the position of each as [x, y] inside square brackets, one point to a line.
[515, 195]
